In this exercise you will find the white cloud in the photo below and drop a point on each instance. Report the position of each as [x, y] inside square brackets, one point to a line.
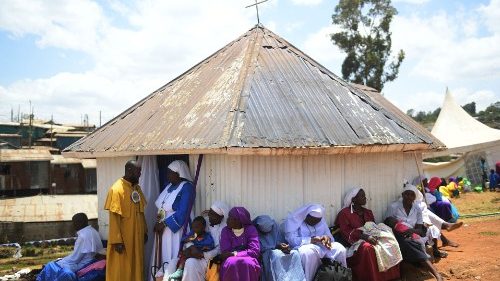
[161, 40]
[307, 2]
[319, 46]
[62, 24]
[491, 15]
[418, 2]
[447, 48]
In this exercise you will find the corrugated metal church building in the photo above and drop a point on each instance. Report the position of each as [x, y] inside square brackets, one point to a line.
[276, 129]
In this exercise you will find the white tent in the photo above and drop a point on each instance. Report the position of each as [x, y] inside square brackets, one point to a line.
[466, 137]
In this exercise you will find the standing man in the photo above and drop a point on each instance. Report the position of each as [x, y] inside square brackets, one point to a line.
[127, 227]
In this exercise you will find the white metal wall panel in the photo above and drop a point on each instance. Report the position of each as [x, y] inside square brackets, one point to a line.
[276, 185]
[108, 171]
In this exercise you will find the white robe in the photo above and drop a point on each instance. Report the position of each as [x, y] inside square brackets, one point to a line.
[170, 241]
[435, 222]
[87, 245]
[311, 254]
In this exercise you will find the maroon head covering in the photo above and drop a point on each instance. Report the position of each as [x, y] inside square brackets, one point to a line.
[241, 214]
[497, 167]
[434, 183]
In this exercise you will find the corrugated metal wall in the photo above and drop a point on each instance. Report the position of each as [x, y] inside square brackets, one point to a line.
[108, 171]
[275, 185]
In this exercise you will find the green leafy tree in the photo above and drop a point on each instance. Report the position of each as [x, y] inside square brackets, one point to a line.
[366, 38]
[470, 108]
[490, 116]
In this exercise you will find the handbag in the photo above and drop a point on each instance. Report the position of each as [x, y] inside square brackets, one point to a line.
[331, 270]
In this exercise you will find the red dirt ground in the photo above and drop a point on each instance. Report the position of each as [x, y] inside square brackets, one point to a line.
[475, 259]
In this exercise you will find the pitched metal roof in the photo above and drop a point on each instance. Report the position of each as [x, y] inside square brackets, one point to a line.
[257, 95]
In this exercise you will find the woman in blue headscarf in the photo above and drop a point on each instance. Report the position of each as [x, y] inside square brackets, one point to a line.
[278, 260]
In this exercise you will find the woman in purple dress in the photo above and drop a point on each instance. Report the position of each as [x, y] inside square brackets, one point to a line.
[240, 248]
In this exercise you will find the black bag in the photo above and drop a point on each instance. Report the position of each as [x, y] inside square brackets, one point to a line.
[332, 271]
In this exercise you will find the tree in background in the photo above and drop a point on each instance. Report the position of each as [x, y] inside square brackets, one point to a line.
[366, 38]
[470, 108]
[490, 116]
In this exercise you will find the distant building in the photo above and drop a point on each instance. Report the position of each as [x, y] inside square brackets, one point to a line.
[12, 139]
[23, 171]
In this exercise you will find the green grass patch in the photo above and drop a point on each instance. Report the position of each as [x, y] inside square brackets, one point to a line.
[33, 258]
[488, 233]
[477, 203]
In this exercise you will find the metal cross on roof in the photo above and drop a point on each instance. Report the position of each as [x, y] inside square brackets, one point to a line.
[257, 8]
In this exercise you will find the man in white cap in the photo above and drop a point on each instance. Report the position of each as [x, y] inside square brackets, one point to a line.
[307, 231]
[196, 265]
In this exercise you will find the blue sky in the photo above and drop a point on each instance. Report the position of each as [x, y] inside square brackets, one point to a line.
[81, 56]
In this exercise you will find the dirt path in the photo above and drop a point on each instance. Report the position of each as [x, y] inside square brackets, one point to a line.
[478, 257]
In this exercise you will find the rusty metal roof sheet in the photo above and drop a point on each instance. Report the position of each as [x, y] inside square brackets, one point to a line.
[21, 155]
[258, 92]
[43, 208]
[61, 160]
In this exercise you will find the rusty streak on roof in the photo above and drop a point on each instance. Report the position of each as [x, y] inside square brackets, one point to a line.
[258, 92]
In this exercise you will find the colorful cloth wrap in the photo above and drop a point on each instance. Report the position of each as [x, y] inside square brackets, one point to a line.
[387, 248]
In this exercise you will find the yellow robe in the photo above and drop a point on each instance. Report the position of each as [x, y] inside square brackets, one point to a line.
[127, 225]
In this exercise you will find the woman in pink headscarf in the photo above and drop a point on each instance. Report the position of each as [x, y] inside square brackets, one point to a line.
[441, 206]
[240, 248]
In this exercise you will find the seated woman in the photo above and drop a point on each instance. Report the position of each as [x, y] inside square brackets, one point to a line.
[87, 245]
[440, 205]
[279, 262]
[307, 232]
[239, 246]
[407, 211]
[363, 262]
[197, 263]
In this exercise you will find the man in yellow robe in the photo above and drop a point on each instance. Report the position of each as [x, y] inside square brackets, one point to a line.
[127, 227]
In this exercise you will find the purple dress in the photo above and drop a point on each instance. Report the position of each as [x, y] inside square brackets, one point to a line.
[245, 265]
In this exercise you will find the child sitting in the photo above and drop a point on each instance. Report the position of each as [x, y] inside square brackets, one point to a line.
[197, 240]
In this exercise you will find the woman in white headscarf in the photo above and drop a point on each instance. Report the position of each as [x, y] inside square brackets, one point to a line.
[174, 205]
[407, 210]
[362, 258]
[306, 231]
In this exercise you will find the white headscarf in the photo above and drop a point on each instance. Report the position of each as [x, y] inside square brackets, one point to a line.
[297, 217]
[181, 168]
[418, 194]
[221, 208]
[348, 197]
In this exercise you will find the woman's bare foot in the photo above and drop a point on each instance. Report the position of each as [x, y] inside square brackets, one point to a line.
[452, 226]
[450, 244]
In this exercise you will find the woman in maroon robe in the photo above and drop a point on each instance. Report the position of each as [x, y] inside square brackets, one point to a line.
[364, 262]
